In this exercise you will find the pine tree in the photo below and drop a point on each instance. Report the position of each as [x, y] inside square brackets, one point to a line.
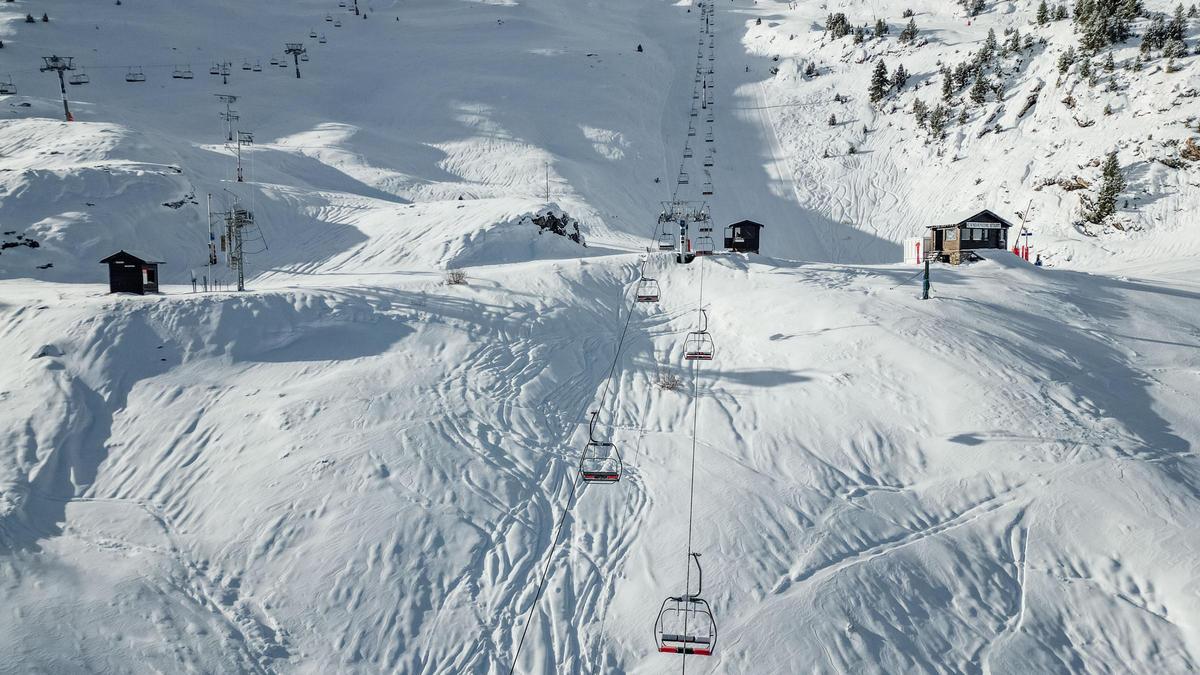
[1192, 13]
[900, 77]
[989, 46]
[937, 121]
[910, 31]
[1111, 186]
[1085, 69]
[879, 82]
[979, 90]
[1060, 13]
[1066, 60]
[920, 112]
[1043, 13]
[832, 120]
[1109, 64]
[810, 70]
[947, 85]
[1014, 44]
[881, 28]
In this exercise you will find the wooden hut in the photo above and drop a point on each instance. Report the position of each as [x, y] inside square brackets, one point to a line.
[958, 239]
[743, 236]
[128, 273]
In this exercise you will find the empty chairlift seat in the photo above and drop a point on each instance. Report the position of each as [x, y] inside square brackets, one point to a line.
[7, 87]
[79, 78]
[647, 290]
[135, 75]
[704, 243]
[685, 623]
[601, 461]
[698, 345]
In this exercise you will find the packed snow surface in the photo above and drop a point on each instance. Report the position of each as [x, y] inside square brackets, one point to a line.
[358, 467]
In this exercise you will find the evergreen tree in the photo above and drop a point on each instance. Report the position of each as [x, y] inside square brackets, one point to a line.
[910, 31]
[1156, 34]
[837, 25]
[979, 90]
[1085, 68]
[881, 28]
[1043, 13]
[879, 82]
[810, 70]
[1066, 60]
[900, 77]
[1060, 13]
[1014, 44]
[859, 35]
[1192, 13]
[1177, 28]
[1112, 184]
[962, 116]
[832, 120]
[937, 121]
[1175, 49]
[989, 46]
[920, 112]
[947, 84]
[1109, 64]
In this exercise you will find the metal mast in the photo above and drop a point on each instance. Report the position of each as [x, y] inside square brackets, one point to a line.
[230, 115]
[60, 64]
[295, 49]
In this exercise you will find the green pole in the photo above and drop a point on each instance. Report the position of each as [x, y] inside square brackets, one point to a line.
[925, 283]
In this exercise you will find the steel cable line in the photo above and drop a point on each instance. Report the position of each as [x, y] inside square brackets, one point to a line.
[687, 584]
[578, 474]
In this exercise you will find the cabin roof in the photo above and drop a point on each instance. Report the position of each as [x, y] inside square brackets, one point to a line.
[747, 223]
[136, 258]
[963, 217]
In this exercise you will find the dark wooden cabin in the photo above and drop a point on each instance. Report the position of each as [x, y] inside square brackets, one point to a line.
[958, 240]
[743, 237]
[128, 273]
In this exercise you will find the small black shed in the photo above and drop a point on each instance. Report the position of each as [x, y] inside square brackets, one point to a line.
[128, 273]
[743, 236]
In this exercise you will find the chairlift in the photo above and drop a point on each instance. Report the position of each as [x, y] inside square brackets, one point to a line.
[135, 75]
[215, 69]
[691, 129]
[708, 135]
[601, 461]
[666, 240]
[257, 67]
[328, 18]
[304, 57]
[79, 78]
[696, 94]
[687, 150]
[708, 159]
[321, 40]
[183, 73]
[274, 60]
[312, 34]
[698, 345]
[707, 191]
[685, 623]
[246, 65]
[337, 24]
[647, 290]
[283, 63]
[694, 113]
[683, 178]
[709, 117]
[342, 4]
[7, 87]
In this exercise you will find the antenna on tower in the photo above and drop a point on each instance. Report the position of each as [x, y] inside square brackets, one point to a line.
[230, 115]
[60, 64]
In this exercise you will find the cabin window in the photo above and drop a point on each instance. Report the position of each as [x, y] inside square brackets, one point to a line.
[951, 234]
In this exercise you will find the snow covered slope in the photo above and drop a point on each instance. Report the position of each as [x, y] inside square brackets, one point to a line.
[356, 467]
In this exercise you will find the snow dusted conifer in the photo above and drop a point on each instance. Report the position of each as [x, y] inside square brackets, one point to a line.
[920, 112]
[1060, 13]
[881, 28]
[1066, 60]
[900, 77]
[1043, 13]
[979, 90]
[1111, 186]
[879, 82]
[910, 31]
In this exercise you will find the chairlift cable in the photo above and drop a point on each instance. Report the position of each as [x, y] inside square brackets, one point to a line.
[692, 480]
[578, 476]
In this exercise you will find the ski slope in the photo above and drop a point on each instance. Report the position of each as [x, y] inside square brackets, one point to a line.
[355, 467]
